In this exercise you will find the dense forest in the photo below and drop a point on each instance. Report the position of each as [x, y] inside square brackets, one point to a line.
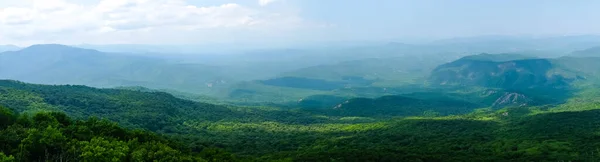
[53, 136]
[299, 81]
[56, 123]
[426, 107]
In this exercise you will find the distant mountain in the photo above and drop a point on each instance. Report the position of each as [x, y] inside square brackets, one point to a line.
[4, 48]
[394, 68]
[60, 64]
[499, 71]
[387, 71]
[551, 46]
[314, 84]
[166, 49]
[355, 77]
[497, 57]
[590, 52]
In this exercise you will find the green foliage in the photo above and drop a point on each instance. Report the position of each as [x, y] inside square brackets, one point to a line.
[6, 117]
[56, 137]
[399, 106]
[40, 144]
[424, 126]
[100, 149]
[4, 158]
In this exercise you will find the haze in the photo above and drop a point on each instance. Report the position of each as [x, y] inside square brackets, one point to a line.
[299, 80]
[276, 23]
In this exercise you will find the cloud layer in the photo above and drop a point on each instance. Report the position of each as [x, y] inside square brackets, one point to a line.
[265, 2]
[62, 21]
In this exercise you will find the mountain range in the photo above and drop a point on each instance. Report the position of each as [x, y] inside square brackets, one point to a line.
[4, 48]
[476, 99]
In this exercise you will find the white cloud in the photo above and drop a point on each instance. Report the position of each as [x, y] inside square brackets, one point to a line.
[60, 20]
[265, 2]
[15, 16]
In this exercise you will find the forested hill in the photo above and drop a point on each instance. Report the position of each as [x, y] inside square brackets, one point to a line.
[511, 72]
[191, 131]
[155, 111]
[61, 64]
[55, 137]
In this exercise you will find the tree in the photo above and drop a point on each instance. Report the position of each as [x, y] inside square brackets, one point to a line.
[102, 150]
[6, 117]
[4, 158]
[157, 151]
[43, 144]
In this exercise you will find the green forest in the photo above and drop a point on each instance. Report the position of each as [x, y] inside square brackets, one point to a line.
[408, 103]
[54, 136]
[79, 123]
[299, 81]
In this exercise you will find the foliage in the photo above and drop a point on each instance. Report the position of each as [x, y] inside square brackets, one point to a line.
[4, 158]
[100, 149]
[56, 137]
[411, 127]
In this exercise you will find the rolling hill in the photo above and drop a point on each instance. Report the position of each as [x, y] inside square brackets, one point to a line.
[590, 52]
[59, 64]
[502, 73]
[343, 79]
[529, 133]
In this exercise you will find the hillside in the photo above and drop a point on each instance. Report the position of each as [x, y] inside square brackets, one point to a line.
[51, 136]
[360, 77]
[59, 64]
[359, 129]
[511, 74]
[405, 69]
[401, 106]
[503, 57]
[590, 52]
[564, 132]
[159, 110]
[4, 48]
[432, 102]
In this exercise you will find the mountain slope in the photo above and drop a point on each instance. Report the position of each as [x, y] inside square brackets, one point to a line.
[268, 134]
[590, 52]
[4, 48]
[498, 57]
[59, 64]
[348, 78]
[404, 69]
[154, 111]
[401, 106]
[157, 111]
[513, 74]
[56, 137]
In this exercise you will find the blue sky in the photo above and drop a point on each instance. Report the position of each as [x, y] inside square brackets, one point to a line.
[286, 21]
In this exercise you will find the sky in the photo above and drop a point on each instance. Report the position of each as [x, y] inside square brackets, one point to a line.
[25, 22]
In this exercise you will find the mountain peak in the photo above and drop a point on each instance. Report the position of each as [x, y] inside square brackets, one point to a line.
[48, 46]
[56, 48]
[8, 47]
[506, 73]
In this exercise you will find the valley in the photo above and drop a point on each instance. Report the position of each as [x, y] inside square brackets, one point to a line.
[299, 81]
[394, 106]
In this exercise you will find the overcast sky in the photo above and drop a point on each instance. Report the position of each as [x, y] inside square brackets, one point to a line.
[26, 22]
